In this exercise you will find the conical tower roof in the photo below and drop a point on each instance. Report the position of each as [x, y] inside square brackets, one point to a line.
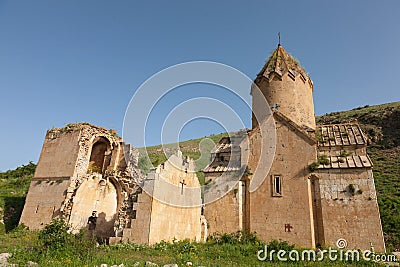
[282, 62]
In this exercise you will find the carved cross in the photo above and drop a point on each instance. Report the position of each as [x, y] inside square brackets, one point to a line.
[182, 183]
[288, 227]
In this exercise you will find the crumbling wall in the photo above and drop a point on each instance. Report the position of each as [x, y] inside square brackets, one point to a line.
[75, 187]
[95, 194]
[137, 225]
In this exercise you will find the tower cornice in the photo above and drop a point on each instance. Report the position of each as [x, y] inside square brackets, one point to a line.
[281, 63]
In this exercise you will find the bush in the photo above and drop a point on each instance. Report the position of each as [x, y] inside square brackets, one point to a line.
[55, 235]
[22, 171]
[56, 238]
[313, 166]
[240, 237]
[144, 164]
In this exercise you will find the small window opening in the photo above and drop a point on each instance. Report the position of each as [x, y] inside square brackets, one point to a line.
[277, 186]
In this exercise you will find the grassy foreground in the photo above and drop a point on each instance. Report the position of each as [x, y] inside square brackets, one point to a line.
[54, 246]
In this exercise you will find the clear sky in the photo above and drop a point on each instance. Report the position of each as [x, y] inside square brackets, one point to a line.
[73, 61]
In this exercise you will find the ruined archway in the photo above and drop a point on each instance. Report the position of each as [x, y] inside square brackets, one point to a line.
[100, 155]
[95, 194]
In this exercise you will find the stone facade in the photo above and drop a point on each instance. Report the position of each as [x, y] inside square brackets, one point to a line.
[319, 187]
[274, 213]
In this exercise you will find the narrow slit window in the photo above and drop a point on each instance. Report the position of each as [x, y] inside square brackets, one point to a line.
[276, 185]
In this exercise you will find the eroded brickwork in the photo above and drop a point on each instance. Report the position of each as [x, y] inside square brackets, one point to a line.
[83, 168]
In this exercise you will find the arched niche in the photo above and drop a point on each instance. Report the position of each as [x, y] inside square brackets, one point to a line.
[100, 155]
[100, 195]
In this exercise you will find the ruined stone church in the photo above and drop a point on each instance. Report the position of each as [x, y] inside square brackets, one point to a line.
[319, 187]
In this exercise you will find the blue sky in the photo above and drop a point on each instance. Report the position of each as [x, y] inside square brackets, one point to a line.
[72, 61]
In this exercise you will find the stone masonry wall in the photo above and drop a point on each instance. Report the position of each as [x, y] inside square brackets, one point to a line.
[176, 209]
[225, 215]
[289, 216]
[43, 202]
[350, 209]
[293, 96]
[59, 155]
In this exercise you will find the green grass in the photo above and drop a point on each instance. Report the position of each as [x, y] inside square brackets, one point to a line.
[387, 183]
[53, 246]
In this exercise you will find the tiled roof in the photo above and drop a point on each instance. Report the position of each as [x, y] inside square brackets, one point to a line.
[220, 169]
[336, 162]
[282, 62]
[340, 135]
[224, 145]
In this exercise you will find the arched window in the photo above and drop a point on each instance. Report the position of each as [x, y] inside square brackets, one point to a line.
[98, 161]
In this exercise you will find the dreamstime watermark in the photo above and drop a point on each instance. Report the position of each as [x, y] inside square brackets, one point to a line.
[332, 254]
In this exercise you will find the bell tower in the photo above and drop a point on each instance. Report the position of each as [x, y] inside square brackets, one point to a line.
[287, 88]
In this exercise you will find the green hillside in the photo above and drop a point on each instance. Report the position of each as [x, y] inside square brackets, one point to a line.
[14, 185]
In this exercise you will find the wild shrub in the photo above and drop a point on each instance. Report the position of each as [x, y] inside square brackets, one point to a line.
[56, 238]
[239, 237]
[55, 235]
